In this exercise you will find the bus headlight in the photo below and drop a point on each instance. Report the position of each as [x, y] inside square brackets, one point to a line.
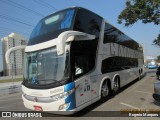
[62, 95]
[63, 106]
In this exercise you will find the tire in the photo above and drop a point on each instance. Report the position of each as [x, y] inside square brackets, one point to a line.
[116, 85]
[105, 90]
[139, 77]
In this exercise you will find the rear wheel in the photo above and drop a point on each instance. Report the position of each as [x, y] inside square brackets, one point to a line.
[139, 77]
[116, 85]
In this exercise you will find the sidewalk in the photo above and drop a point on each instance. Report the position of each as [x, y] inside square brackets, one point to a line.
[10, 88]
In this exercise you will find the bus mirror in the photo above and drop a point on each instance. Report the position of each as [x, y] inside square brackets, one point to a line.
[81, 37]
[84, 37]
[7, 55]
[69, 36]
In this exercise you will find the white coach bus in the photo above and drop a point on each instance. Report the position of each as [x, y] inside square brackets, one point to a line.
[75, 58]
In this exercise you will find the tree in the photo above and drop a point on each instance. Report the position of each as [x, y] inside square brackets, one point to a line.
[145, 10]
[157, 41]
[158, 57]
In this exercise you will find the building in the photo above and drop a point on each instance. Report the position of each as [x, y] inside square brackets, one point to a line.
[15, 67]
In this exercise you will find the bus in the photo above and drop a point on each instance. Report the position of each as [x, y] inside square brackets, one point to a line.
[151, 64]
[74, 58]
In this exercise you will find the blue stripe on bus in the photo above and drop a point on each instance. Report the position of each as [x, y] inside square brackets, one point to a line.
[70, 99]
[69, 86]
[71, 102]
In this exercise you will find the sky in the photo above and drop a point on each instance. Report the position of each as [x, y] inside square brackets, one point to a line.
[21, 16]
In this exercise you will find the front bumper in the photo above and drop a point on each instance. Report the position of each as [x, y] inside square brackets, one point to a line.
[52, 107]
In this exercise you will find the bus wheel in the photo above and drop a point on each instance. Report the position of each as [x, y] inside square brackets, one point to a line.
[104, 90]
[139, 77]
[116, 85]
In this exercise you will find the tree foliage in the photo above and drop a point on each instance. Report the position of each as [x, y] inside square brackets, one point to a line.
[145, 10]
[157, 41]
[158, 57]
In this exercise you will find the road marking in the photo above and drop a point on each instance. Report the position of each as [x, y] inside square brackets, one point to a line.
[143, 92]
[130, 106]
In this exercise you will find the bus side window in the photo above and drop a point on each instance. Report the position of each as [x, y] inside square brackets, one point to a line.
[91, 24]
[81, 65]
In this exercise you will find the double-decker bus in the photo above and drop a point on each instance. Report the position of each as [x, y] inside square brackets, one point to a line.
[75, 58]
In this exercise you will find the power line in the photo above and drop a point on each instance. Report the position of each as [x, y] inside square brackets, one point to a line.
[3, 20]
[15, 20]
[9, 29]
[43, 3]
[6, 32]
[20, 13]
[21, 7]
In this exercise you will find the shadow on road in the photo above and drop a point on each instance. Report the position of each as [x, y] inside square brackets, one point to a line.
[156, 103]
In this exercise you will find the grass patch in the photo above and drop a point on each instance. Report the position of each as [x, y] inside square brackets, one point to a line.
[10, 80]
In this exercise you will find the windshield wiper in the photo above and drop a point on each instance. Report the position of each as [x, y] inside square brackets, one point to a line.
[52, 80]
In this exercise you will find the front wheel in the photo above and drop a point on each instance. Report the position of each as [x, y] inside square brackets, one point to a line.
[104, 90]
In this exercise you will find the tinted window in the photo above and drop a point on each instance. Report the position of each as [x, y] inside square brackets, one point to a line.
[51, 26]
[87, 22]
[112, 34]
[83, 57]
[118, 63]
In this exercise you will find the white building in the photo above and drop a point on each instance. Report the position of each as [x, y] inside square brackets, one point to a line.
[16, 59]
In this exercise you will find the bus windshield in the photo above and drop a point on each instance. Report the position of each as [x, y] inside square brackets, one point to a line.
[45, 67]
[55, 22]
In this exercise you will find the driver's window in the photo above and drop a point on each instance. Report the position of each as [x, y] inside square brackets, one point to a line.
[81, 65]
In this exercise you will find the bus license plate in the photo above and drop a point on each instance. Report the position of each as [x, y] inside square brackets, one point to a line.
[38, 108]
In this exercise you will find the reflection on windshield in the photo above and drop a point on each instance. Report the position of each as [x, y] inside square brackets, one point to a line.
[57, 21]
[45, 67]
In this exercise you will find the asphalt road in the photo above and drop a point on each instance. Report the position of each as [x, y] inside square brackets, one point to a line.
[137, 95]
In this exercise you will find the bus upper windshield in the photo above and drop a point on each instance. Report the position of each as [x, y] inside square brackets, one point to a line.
[57, 21]
[45, 67]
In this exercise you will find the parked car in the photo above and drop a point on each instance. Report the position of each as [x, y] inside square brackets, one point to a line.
[158, 73]
[156, 94]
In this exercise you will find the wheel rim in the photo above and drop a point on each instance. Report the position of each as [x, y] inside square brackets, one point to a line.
[105, 90]
[116, 85]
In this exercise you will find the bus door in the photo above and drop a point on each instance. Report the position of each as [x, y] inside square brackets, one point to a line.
[82, 82]
[83, 90]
